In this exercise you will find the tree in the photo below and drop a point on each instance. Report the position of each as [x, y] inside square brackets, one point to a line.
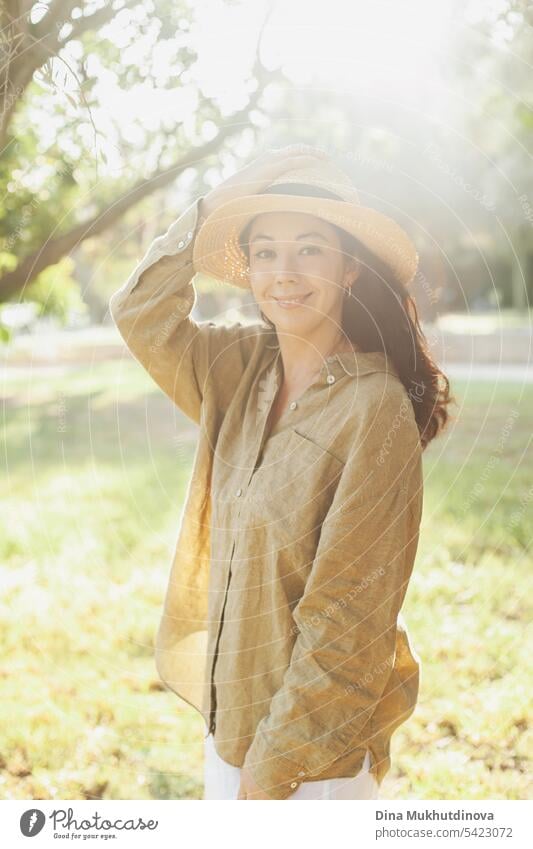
[54, 57]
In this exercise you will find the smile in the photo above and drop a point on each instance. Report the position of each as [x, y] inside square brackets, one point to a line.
[290, 303]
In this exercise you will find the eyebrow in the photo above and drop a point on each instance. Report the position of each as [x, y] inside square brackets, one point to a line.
[301, 236]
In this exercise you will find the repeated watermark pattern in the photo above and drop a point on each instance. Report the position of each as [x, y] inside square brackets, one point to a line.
[341, 602]
[435, 155]
[525, 203]
[493, 461]
[364, 681]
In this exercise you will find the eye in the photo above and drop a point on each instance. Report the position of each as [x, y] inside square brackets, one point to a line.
[267, 253]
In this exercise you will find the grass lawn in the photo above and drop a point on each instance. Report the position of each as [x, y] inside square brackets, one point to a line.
[490, 321]
[96, 464]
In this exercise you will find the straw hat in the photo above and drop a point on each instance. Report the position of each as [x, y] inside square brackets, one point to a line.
[217, 252]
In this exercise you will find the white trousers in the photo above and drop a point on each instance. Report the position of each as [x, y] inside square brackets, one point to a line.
[222, 780]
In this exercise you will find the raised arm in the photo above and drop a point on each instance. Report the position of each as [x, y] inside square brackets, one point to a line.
[152, 309]
[152, 312]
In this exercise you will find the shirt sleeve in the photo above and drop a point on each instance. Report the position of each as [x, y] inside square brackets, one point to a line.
[346, 619]
[152, 313]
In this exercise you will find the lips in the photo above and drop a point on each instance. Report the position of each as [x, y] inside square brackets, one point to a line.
[292, 301]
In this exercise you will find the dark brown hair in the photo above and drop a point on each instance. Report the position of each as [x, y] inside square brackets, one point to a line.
[381, 315]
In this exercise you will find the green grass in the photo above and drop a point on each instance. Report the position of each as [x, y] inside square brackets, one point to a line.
[491, 321]
[96, 465]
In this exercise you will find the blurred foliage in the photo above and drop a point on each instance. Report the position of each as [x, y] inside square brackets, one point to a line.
[56, 292]
[67, 157]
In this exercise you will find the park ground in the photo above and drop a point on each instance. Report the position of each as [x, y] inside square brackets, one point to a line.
[96, 465]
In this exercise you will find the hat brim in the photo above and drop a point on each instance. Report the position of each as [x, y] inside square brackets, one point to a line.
[216, 250]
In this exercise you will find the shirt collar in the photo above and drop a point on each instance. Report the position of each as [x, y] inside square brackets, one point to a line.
[353, 363]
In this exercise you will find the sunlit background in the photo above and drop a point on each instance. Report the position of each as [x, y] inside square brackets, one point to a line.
[113, 117]
[426, 105]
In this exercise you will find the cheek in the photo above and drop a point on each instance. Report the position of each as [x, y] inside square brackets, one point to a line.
[327, 272]
[330, 291]
[257, 284]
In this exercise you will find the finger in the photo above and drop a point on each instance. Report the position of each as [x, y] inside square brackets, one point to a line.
[305, 159]
[257, 179]
[301, 149]
[287, 158]
[273, 169]
[295, 162]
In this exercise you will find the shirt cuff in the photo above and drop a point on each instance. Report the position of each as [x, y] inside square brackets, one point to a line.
[275, 774]
[181, 233]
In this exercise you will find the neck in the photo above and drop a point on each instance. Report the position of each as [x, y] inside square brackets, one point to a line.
[303, 357]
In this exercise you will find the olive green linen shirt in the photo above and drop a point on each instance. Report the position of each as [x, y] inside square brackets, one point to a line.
[281, 622]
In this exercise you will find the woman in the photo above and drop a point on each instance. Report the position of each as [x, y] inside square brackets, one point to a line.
[282, 621]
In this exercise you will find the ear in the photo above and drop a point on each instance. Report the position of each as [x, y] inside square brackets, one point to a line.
[351, 272]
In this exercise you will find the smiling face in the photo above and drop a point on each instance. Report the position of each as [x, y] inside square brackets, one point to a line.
[298, 271]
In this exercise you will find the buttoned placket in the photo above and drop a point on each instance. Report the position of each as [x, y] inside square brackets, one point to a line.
[330, 379]
[238, 494]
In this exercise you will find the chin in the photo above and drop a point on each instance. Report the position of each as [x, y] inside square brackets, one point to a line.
[294, 324]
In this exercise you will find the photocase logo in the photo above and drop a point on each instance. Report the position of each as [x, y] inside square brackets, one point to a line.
[32, 822]
[65, 824]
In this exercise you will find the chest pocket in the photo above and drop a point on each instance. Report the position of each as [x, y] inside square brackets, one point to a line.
[291, 491]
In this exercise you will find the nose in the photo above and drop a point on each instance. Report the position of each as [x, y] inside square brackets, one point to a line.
[285, 271]
[286, 276]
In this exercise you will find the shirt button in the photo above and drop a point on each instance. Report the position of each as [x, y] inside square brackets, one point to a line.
[190, 234]
[301, 772]
[180, 244]
[239, 491]
[330, 378]
[293, 405]
[294, 784]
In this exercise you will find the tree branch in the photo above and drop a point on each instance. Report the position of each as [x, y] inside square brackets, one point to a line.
[58, 12]
[54, 249]
[39, 43]
[90, 22]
